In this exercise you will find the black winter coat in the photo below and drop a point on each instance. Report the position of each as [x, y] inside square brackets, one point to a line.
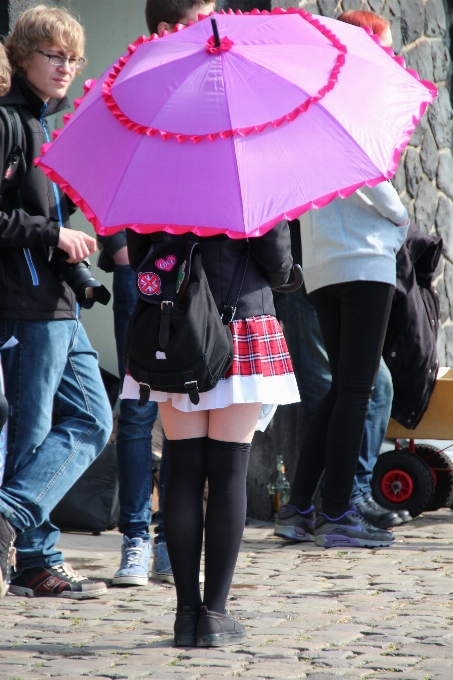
[410, 348]
[29, 289]
[269, 265]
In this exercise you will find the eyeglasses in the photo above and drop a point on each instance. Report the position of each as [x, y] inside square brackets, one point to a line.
[58, 60]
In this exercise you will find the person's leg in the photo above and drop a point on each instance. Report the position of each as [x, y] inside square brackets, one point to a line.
[53, 364]
[161, 568]
[311, 462]
[186, 435]
[306, 346]
[134, 451]
[365, 308]
[377, 418]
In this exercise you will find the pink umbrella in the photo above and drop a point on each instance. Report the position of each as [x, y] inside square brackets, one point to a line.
[192, 132]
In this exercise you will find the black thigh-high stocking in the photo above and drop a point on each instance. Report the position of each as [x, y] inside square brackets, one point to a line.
[226, 469]
[183, 516]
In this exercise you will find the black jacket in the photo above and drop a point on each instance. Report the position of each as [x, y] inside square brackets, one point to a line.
[269, 266]
[410, 348]
[35, 226]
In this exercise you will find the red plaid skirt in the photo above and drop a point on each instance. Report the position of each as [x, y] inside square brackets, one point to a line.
[261, 371]
[259, 348]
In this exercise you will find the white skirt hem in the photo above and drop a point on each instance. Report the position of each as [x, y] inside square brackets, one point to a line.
[237, 389]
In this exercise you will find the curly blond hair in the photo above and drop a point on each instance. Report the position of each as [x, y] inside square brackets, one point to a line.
[42, 26]
[5, 72]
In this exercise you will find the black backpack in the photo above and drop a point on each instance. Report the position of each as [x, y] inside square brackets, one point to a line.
[177, 341]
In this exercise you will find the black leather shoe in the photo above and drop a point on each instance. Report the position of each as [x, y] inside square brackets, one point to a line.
[186, 628]
[218, 630]
[377, 515]
[404, 515]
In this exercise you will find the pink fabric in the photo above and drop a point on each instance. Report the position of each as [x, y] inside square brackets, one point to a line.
[240, 184]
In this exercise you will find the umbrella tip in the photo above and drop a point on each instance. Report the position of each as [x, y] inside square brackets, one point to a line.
[215, 31]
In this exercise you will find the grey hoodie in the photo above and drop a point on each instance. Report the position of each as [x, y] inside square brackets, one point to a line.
[354, 238]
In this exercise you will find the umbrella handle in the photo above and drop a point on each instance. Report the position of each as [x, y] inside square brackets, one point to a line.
[295, 285]
[215, 32]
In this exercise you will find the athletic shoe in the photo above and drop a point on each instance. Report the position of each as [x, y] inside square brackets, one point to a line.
[349, 530]
[218, 630]
[134, 567]
[7, 553]
[294, 524]
[186, 628]
[161, 567]
[375, 514]
[59, 581]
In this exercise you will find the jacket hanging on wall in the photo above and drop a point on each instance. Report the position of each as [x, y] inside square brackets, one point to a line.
[410, 348]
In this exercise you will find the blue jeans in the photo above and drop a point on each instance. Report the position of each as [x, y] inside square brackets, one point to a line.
[53, 367]
[133, 443]
[312, 370]
[377, 419]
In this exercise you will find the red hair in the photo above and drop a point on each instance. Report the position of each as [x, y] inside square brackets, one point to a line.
[364, 18]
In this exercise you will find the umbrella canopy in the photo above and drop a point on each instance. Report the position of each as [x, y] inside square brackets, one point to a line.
[191, 133]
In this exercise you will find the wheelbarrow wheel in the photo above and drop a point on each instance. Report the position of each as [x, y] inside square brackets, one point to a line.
[402, 481]
[441, 468]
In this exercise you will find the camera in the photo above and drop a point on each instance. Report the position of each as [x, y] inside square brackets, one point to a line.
[78, 277]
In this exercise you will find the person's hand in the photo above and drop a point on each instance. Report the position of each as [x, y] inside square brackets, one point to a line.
[121, 256]
[76, 244]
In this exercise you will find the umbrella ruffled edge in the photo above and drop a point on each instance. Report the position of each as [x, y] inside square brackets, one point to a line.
[178, 229]
[242, 131]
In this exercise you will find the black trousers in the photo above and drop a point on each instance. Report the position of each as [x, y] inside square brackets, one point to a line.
[353, 318]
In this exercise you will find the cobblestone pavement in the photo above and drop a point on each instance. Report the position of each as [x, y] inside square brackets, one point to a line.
[310, 612]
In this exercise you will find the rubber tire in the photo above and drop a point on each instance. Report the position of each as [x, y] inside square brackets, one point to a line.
[435, 458]
[420, 473]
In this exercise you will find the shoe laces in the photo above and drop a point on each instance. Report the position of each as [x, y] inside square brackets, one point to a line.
[69, 572]
[134, 554]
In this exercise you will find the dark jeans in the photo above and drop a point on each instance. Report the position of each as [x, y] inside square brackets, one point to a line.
[134, 451]
[353, 319]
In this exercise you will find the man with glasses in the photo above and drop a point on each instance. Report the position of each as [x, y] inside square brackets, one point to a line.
[60, 417]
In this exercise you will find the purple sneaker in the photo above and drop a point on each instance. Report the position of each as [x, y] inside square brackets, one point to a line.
[295, 525]
[349, 530]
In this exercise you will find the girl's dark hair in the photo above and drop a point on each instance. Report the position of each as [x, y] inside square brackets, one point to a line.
[170, 11]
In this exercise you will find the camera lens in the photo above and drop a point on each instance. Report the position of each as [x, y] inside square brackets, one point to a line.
[87, 290]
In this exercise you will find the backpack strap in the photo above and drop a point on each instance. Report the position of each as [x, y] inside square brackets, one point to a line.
[14, 160]
[229, 310]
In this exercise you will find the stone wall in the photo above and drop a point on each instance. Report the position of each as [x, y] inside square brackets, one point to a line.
[425, 175]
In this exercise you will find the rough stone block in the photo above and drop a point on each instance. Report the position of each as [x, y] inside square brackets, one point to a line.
[444, 301]
[399, 178]
[419, 58]
[414, 171]
[311, 7]
[449, 344]
[435, 21]
[417, 136]
[445, 173]
[440, 117]
[327, 7]
[376, 6]
[429, 154]
[441, 349]
[441, 60]
[448, 280]
[444, 225]
[349, 5]
[412, 19]
[425, 205]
